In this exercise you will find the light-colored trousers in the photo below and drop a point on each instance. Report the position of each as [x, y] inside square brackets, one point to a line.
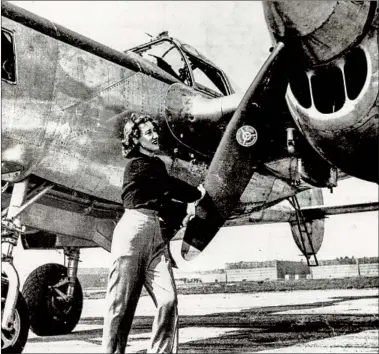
[140, 257]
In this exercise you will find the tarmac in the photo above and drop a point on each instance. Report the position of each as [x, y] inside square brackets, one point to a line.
[312, 321]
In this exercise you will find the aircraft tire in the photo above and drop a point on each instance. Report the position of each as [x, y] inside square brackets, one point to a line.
[14, 341]
[49, 314]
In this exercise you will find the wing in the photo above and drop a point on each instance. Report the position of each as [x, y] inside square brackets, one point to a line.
[277, 215]
[284, 214]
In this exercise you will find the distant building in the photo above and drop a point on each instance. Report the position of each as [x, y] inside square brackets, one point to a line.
[269, 270]
[245, 271]
[345, 267]
[255, 271]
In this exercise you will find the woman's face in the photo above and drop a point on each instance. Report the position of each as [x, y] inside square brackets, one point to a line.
[149, 138]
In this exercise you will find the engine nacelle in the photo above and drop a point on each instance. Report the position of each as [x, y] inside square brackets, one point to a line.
[333, 85]
[336, 108]
[318, 32]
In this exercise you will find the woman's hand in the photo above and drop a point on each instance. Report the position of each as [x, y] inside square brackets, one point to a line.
[191, 207]
[202, 190]
[191, 211]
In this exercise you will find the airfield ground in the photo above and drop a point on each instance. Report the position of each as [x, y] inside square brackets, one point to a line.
[306, 321]
[262, 286]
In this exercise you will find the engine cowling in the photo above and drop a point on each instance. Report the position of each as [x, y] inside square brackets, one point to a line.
[319, 31]
[337, 109]
[333, 92]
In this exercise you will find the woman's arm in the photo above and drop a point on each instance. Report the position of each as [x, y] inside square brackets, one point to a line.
[183, 191]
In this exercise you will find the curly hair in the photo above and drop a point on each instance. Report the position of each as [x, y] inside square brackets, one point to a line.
[132, 131]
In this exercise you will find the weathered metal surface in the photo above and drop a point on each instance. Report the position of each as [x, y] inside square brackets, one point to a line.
[182, 104]
[196, 120]
[320, 31]
[62, 121]
[333, 92]
[232, 165]
[66, 126]
[276, 214]
[128, 60]
[281, 214]
[348, 136]
[314, 227]
[314, 212]
[65, 222]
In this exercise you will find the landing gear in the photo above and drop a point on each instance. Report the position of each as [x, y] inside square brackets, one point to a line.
[54, 298]
[14, 339]
[306, 234]
[53, 295]
[14, 311]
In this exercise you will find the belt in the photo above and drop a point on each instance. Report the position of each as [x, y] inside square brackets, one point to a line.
[148, 212]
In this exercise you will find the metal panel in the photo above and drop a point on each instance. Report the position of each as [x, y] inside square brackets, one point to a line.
[64, 222]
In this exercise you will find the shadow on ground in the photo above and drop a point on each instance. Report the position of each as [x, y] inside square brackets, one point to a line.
[255, 329]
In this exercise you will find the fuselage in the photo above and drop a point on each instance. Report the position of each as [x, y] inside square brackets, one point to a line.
[64, 101]
[62, 110]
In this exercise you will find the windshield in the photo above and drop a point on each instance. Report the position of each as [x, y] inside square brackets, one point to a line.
[192, 68]
[207, 77]
[167, 56]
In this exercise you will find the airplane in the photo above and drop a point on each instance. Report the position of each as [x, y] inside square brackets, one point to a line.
[309, 118]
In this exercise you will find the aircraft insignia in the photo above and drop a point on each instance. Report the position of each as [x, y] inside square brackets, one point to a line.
[247, 135]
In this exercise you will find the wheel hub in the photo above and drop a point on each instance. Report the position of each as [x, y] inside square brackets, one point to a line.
[59, 306]
[9, 338]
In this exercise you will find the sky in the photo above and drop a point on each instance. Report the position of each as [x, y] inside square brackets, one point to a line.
[232, 35]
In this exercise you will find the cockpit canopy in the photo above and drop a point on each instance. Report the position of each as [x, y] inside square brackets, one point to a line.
[185, 63]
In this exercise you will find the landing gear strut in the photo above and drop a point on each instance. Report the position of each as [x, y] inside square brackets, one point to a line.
[304, 237]
[15, 318]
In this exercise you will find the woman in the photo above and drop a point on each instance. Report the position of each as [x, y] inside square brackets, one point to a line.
[139, 254]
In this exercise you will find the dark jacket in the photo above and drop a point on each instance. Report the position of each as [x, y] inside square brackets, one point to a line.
[148, 185]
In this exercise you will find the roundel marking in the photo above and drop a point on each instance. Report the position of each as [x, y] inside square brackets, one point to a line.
[247, 135]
